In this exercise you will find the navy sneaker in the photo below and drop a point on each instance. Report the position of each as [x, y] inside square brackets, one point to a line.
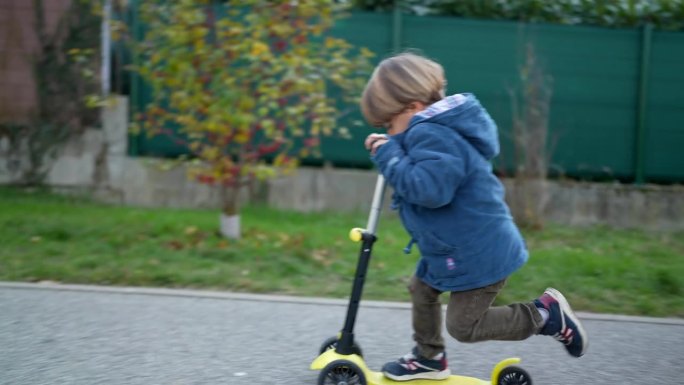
[413, 366]
[562, 324]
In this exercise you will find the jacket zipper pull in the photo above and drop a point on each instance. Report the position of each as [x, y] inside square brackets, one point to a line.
[407, 249]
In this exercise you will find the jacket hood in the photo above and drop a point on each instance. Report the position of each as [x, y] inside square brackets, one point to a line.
[464, 114]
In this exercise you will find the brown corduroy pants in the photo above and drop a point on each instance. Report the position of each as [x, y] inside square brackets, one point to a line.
[470, 317]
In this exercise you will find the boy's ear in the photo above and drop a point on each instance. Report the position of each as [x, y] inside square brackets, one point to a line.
[417, 106]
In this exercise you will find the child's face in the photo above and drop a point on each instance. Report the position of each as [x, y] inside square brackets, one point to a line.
[399, 122]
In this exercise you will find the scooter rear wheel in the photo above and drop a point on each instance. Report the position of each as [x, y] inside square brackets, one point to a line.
[513, 375]
[341, 372]
[331, 343]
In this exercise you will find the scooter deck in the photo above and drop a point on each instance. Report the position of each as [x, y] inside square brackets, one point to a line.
[377, 378]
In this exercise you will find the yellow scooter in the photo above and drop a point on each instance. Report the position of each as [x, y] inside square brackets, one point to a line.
[341, 361]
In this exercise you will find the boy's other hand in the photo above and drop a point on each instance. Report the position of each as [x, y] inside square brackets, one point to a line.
[374, 141]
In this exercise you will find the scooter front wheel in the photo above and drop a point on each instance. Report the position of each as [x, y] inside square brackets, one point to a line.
[513, 375]
[331, 343]
[342, 372]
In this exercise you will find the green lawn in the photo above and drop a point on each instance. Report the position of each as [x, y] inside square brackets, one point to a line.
[71, 240]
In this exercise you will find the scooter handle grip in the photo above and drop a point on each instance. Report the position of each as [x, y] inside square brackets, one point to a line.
[356, 234]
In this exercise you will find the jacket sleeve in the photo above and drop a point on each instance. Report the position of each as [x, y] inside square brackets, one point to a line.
[430, 168]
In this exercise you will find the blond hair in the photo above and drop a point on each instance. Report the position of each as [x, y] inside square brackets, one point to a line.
[399, 81]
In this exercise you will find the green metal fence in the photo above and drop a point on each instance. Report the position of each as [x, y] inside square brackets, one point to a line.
[617, 110]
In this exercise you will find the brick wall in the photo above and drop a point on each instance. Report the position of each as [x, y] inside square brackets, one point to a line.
[18, 44]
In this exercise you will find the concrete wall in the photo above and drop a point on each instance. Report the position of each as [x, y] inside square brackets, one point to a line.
[571, 203]
[97, 163]
[96, 159]
[622, 206]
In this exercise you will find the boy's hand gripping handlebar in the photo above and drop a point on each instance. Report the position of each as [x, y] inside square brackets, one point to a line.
[357, 234]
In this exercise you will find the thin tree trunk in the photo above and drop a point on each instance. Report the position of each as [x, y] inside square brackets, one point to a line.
[230, 212]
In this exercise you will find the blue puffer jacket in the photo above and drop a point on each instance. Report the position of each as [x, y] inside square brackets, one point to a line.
[448, 198]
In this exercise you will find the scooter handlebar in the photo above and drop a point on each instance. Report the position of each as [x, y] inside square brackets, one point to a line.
[356, 234]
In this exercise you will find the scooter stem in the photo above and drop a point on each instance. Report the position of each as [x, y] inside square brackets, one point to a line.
[376, 205]
[346, 341]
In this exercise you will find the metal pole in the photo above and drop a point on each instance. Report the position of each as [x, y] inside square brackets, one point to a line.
[133, 149]
[106, 48]
[376, 205]
[396, 26]
[640, 140]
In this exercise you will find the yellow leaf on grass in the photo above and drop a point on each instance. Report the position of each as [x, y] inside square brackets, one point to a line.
[259, 48]
[212, 126]
[331, 42]
[210, 153]
[241, 137]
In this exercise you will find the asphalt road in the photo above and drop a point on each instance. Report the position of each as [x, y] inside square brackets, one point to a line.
[79, 335]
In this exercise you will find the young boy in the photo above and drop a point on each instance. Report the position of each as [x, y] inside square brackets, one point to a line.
[437, 159]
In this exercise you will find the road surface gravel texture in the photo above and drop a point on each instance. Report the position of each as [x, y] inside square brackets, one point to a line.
[87, 335]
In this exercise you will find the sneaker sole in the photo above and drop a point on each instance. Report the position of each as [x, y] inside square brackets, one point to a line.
[444, 374]
[565, 307]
